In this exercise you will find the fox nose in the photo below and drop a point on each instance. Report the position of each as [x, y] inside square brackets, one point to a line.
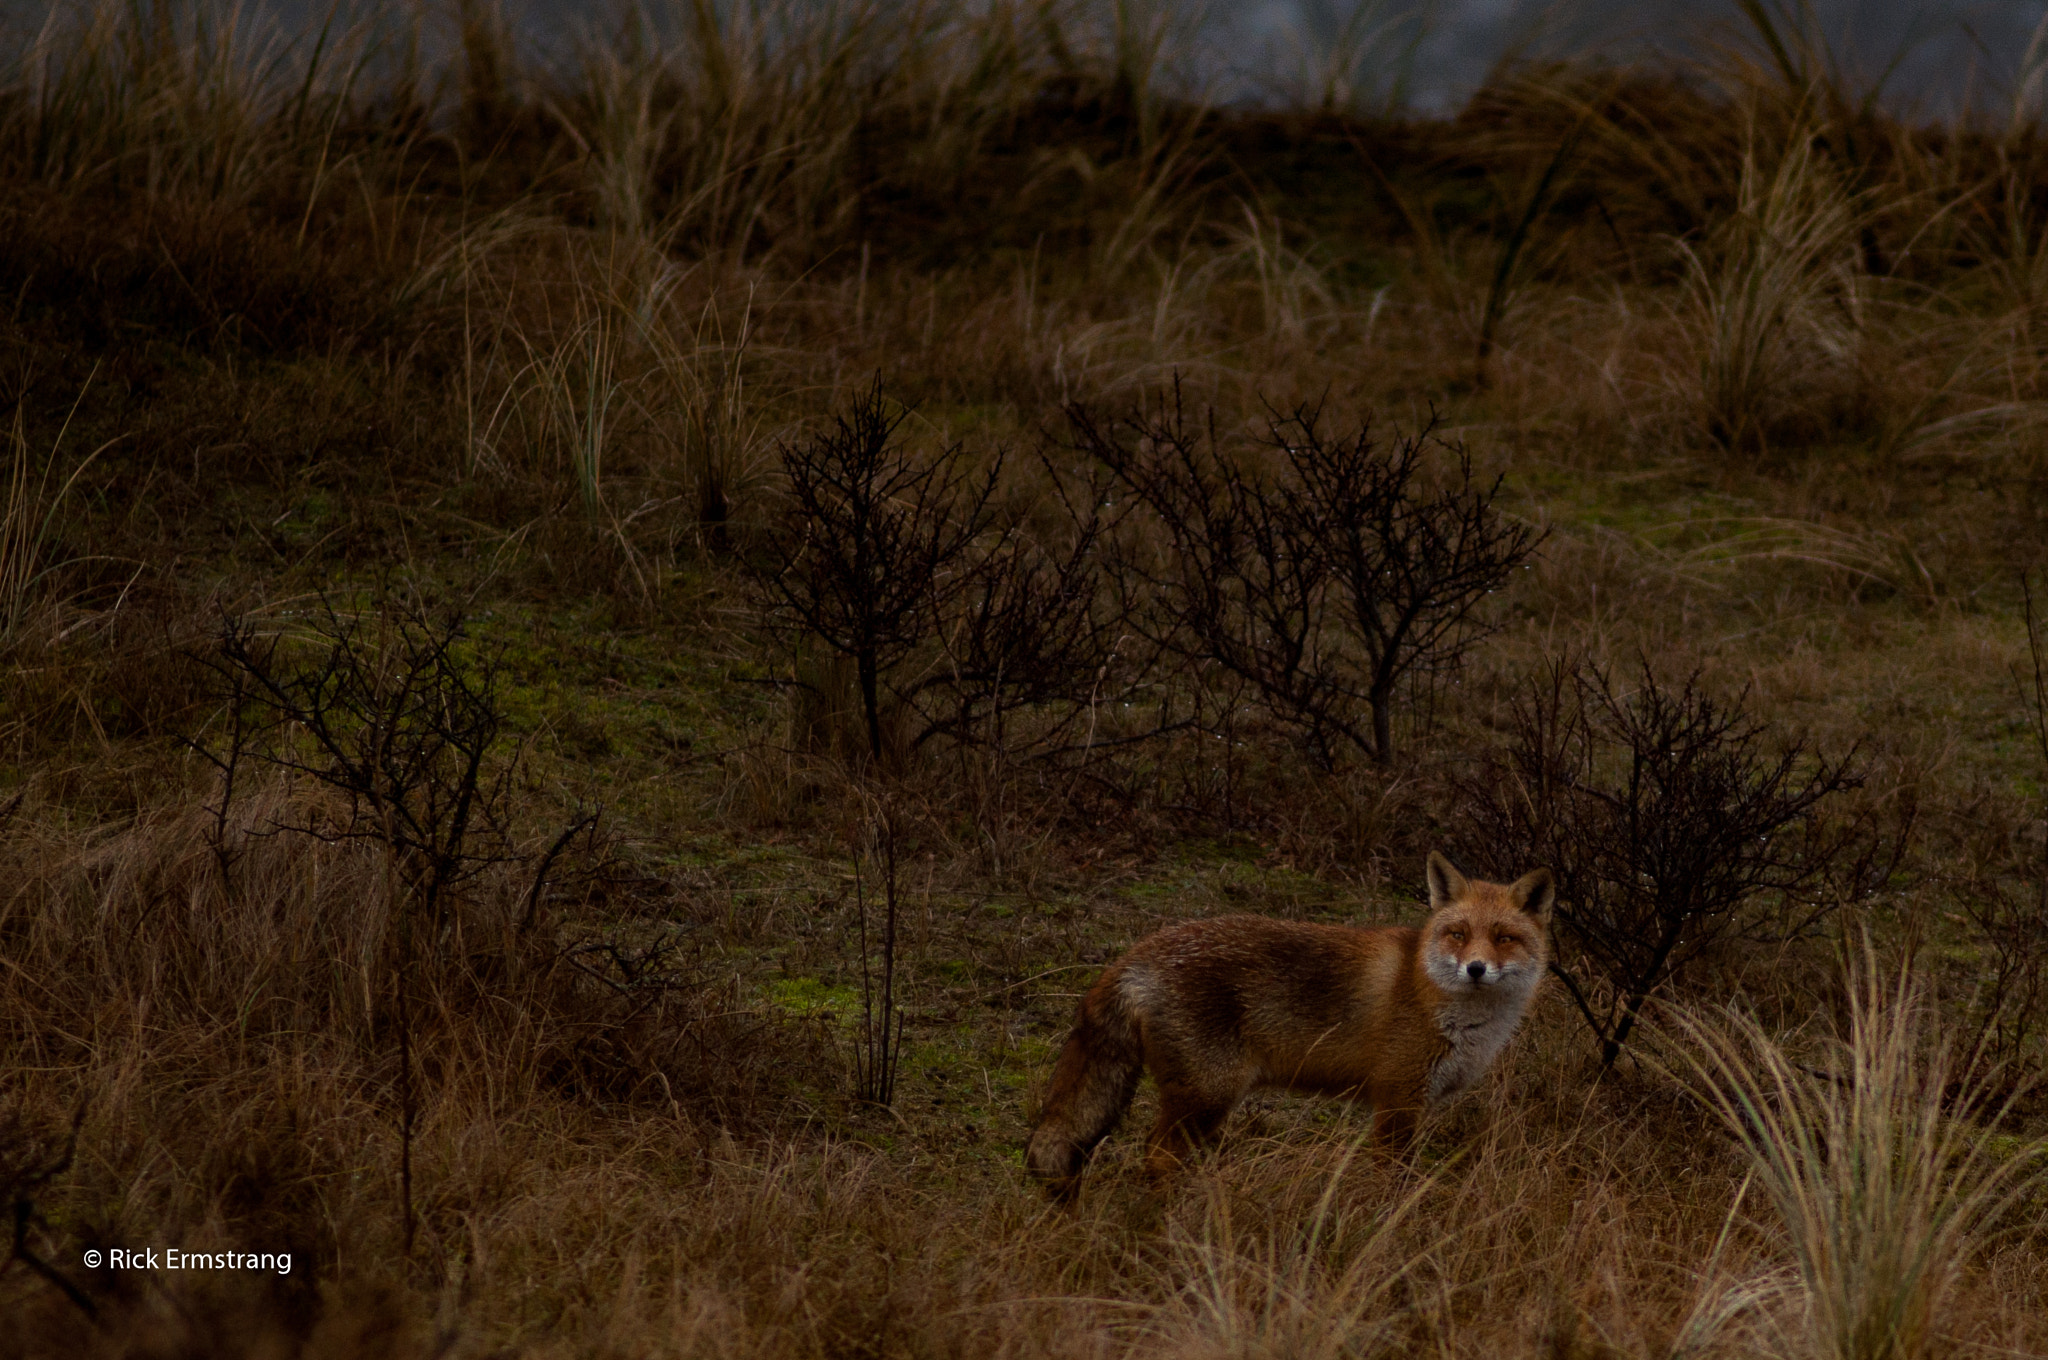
[1475, 970]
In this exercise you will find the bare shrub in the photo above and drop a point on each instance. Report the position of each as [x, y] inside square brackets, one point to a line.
[1999, 875]
[398, 720]
[951, 619]
[1326, 587]
[395, 715]
[31, 1159]
[391, 711]
[1675, 825]
[1999, 883]
[879, 1051]
[269, 1020]
[1034, 630]
[877, 544]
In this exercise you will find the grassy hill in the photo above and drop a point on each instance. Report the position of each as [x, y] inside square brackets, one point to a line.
[462, 822]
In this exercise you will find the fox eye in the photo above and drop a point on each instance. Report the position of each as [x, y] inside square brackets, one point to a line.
[1506, 941]
[1455, 936]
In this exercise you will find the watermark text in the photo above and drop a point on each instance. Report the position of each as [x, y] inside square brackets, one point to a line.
[176, 1258]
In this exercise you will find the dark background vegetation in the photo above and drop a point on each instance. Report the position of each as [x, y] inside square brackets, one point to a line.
[596, 655]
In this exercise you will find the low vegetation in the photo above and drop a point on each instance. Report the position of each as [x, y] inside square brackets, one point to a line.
[598, 648]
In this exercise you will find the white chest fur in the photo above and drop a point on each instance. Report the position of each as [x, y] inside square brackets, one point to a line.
[1477, 1027]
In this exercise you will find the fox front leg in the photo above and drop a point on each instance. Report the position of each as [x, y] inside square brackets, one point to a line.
[1188, 1120]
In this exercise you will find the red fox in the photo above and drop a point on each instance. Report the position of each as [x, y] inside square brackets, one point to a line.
[1392, 1015]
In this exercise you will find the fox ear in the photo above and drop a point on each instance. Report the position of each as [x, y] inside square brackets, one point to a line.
[1536, 893]
[1446, 884]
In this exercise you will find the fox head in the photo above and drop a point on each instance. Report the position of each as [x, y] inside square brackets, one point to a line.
[1486, 935]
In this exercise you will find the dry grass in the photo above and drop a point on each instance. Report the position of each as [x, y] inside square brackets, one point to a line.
[1547, 1213]
[1879, 1165]
[1763, 362]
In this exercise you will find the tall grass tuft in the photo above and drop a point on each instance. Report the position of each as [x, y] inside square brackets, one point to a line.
[205, 99]
[27, 516]
[1882, 1166]
[1771, 303]
[1300, 1261]
[727, 128]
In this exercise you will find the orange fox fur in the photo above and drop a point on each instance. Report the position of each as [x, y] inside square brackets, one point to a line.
[1392, 1015]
